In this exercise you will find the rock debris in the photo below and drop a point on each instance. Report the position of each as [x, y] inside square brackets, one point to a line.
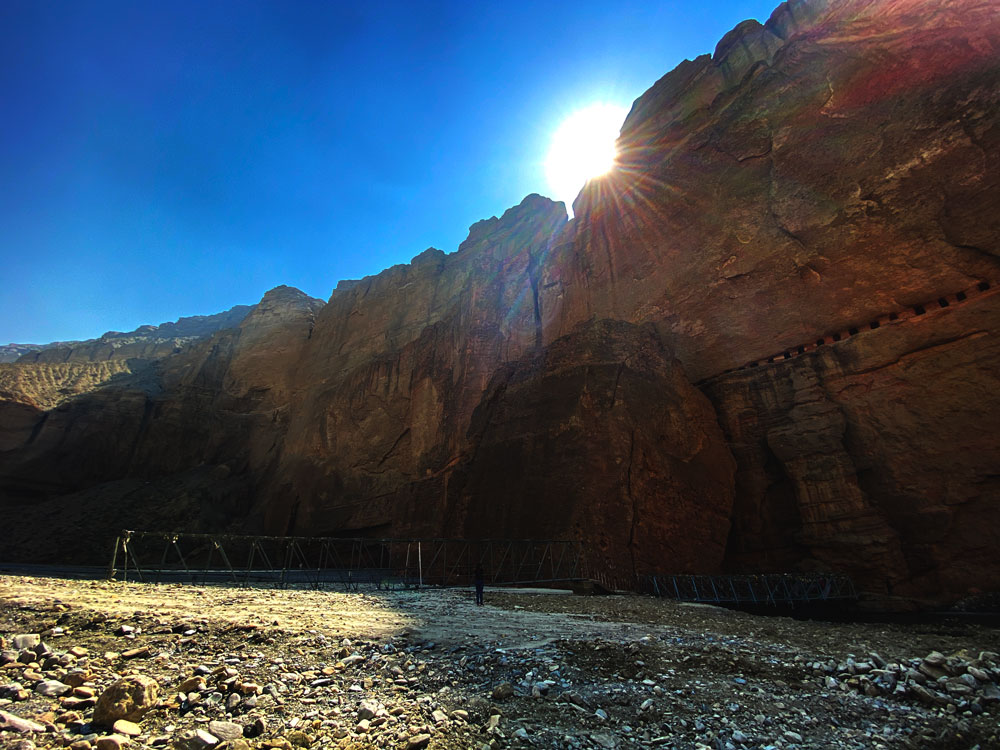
[102, 666]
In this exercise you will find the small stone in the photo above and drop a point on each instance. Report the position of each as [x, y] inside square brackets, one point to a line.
[979, 674]
[196, 739]
[738, 736]
[137, 653]
[78, 679]
[25, 640]
[22, 745]
[80, 745]
[417, 741]
[111, 742]
[503, 691]
[257, 728]
[935, 659]
[233, 701]
[206, 738]
[367, 710]
[793, 736]
[52, 688]
[439, 717]
[299, 739]
[17, 724]
[192, 685]
[363, 726]
[225, 730]
[127, 728]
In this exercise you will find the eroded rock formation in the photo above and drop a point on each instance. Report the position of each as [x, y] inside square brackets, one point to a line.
[766, 342]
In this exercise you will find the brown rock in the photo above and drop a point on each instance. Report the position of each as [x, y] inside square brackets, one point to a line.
[225, 730]
[417, 741]
[192, 685]
[127, 728]
[641, 466]
[12, 723]
[502, 691]
[128, 698]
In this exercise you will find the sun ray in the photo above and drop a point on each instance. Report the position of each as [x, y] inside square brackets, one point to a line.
[583, 147]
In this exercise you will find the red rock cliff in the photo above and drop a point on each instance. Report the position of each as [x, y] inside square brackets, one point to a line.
[764, 343]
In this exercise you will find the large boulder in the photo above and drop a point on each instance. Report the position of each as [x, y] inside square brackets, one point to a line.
[128, 698]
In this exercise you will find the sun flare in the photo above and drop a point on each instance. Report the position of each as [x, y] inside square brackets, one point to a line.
[583, 147]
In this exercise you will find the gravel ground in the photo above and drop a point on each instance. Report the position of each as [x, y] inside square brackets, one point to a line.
[268, 668]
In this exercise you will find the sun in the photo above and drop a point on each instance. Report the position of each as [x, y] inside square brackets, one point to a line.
[583, 147]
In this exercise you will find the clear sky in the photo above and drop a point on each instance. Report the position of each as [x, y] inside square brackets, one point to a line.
[160, 159]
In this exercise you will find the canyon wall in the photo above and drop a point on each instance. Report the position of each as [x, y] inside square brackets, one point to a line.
[766, 342]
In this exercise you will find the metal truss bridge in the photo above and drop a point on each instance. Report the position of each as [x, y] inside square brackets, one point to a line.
[322, 562]
[326, 562]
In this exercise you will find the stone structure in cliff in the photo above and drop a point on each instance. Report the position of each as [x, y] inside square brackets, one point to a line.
[765, 343]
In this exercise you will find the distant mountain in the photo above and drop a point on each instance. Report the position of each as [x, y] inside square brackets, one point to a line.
[147, 340]
[10, 352]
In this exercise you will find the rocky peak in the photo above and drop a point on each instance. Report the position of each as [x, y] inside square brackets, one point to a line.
[279, 305]
[794, 16]
[430, 256]
[288, 295]
[747, 44]
[534, 213]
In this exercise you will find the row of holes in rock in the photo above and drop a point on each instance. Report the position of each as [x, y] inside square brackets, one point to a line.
[893, 317]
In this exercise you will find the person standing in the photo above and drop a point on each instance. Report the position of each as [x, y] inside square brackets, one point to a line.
[480, 583]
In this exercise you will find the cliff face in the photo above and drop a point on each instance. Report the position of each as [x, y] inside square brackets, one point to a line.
[797, 183]
[765, 343]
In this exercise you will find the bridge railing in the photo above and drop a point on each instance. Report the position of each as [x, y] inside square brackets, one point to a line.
[767, 588]
[320, 562]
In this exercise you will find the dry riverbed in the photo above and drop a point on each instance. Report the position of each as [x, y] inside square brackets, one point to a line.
[230, 668]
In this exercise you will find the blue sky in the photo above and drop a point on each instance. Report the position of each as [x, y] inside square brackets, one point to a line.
[160, 159]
